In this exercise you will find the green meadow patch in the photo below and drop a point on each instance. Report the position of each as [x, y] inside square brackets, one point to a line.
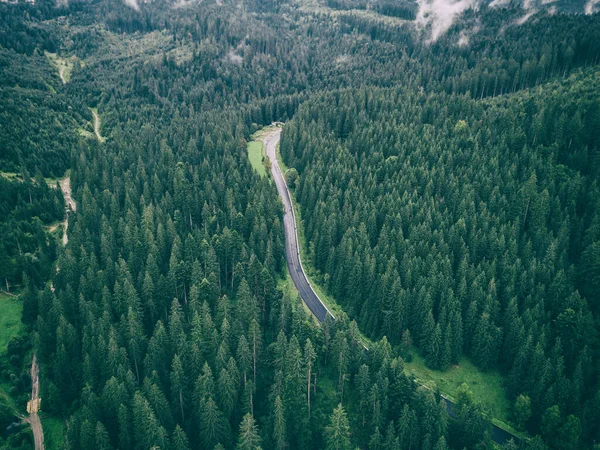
[63, 65]
[487, 387]
[54, 433]
[10, 320]
[255, 155]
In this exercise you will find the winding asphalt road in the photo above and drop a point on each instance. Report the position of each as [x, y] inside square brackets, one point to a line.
[295, 268]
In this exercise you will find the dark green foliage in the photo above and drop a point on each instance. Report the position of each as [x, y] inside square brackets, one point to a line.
[26, 206]
[19, 33]
[39, 120]
[522, 410]
[464, 226]
[249, 438]
[337, 434]
[436, 213]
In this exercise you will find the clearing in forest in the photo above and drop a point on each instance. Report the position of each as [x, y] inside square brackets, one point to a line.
[485, 386]
[11, 326]
[63, 65]
[70, 205]
[97, 125]
[256, 153]
[10, 319]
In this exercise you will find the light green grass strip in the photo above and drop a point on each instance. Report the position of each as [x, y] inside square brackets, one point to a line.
[255, 155]
[10, 320]
[63, 65]
[54, 433]
[485, 386]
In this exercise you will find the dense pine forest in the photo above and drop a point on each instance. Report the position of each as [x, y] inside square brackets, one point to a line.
[447, 181]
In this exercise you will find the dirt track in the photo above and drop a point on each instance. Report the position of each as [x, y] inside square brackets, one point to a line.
[70, 206]
[33, 407]
[97, 126]
[61, 73]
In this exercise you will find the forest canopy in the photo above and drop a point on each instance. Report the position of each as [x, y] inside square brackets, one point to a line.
[448, 190]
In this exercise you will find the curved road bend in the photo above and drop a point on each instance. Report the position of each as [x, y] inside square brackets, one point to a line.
[295, 268]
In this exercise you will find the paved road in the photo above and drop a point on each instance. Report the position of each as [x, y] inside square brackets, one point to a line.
[295, 268]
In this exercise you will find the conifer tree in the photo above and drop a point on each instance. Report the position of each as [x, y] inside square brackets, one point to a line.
[213, 428]
[249, 438]
[309, 359]
[179, 440]
[337, 434]
[279, 426]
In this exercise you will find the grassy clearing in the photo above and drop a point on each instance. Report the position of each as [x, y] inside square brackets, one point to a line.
[10, 320]
[54, 433]
[256, 149]
[52, 181]
[63, 65]
[97, 125]
[88, 130]
[10, 327]
[56, 230]
[256, 153]
[486, 386]
[86, 134]
[10, 175]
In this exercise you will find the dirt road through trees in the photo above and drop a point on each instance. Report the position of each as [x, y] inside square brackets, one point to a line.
[33, 407]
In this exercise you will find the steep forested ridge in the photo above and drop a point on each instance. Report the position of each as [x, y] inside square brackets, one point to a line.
[449, 196]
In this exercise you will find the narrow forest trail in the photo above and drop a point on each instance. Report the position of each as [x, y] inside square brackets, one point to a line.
[61, 74]
[33, 406]
[70, 206]
[97, 125]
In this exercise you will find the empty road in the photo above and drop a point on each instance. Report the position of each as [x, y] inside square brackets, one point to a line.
[297, 273]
